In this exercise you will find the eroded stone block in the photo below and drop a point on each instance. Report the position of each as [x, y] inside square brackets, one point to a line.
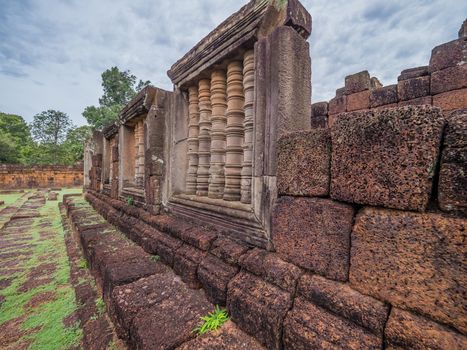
[338, 104]
[342, 300]
[186, 261]
[228, 250]
[314, 233]
[413, 88]
[448, 79]
[358, 101]
[303, 163]
[426, 100]
[258, 308]
[383, 96]
[214, 275]
[357, 82]
[451, 100]
[319, 109]
[449, 54]
[413, 261]
[271, 268]
[413, 73]
[386, 157]
[308, 326]
[405, 330]
[452, 187]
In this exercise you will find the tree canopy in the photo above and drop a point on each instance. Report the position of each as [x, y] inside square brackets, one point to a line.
[15, 138]
[119, 88]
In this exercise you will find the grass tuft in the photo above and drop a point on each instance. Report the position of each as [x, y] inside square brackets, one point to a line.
[212, 321]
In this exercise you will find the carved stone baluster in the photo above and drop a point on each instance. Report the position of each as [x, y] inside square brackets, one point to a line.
[204, 138]
[141, 154]
[218, 137]
[234, 130]
[193, 132]
[248, 88]
[136, 146]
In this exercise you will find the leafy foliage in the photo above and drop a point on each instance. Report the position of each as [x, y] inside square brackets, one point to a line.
[130, 201]
[100, 306]
[119, 88]
[212, 321]
[15, 139]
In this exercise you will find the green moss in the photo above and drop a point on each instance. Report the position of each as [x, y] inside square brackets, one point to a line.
[47, 319]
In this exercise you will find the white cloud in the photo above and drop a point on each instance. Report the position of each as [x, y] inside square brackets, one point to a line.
[52, 52]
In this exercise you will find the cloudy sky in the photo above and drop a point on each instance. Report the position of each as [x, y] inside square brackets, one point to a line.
[52, 52]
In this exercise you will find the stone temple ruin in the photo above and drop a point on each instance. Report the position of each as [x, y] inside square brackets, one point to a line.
[325, 225]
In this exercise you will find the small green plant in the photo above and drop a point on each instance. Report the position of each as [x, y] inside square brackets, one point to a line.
[130, 201]
[155, 257]
[100, 305]
[212, 321]
[82, 264]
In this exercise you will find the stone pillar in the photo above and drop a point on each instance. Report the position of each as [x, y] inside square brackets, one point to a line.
[204, 151]
[193, 132]
[234, 130]
[249, 91]
[218, 137]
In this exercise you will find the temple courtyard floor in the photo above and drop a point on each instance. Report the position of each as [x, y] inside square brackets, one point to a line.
[46, 291]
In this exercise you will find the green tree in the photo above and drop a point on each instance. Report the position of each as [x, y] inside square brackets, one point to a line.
[15, 138]
[119, 88]
[73, 147]
[49, 130]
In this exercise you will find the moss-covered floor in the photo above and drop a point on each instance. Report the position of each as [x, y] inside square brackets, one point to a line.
[37, 301]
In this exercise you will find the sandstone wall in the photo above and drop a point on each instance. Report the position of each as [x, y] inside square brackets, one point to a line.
[442, 83]
[14, 176]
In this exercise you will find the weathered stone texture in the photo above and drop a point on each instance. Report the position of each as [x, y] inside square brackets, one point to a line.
[405, 330]
[271, 268]
[186, 261]
[342, 300]
[214, 275]
[386, 157]
[426, 100]
[319, 108]
[448, 79]
[258, 308]
[314, 234]
[229, 336]
[413, 88]
[357, 82]
[451, 100]
[449, 54]
[452, 188]
[170, 322]
[309, 326]
[303, 163]
[413, 73]
[22, 176]
[414, 261]
[383, 96]
[228, 250]
[338, 105]
[358, 101]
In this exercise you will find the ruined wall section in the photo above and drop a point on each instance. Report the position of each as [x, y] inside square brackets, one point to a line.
[13, 176]
[443, 83]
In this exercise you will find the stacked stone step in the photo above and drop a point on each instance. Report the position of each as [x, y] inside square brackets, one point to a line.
[149, 305]
[374, 212]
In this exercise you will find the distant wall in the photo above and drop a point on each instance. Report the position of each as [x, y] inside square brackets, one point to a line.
[23, 176]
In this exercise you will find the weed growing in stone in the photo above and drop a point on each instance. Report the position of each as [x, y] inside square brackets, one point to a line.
[82, 264]
[130, 201]
[212, 321]
[100, 305]
[155, 257]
